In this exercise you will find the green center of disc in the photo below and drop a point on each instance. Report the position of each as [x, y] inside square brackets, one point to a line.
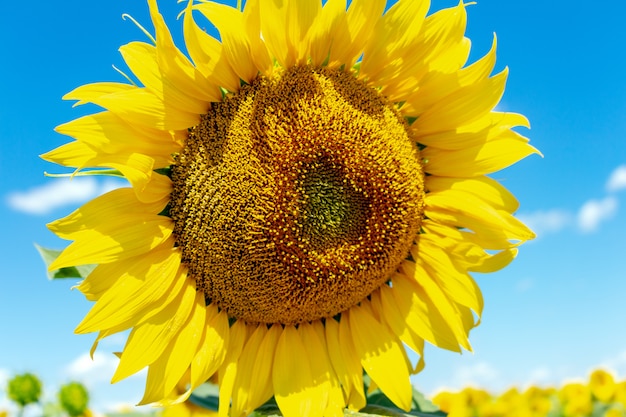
[333, 209]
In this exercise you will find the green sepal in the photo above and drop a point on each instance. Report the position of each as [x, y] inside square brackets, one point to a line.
[49, 255]
[167, 171]
[93, 172]
[410, 119]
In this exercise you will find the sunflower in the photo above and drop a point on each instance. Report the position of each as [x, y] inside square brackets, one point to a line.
[308, 197]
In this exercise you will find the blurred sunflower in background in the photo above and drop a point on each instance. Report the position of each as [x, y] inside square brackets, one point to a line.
[308, 196]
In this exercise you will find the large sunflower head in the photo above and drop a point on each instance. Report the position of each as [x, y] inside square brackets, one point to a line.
[308, 196]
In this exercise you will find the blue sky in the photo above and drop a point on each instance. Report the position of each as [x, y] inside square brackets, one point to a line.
[556, 313]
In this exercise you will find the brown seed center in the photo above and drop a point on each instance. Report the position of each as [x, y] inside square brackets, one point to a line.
[296, 197]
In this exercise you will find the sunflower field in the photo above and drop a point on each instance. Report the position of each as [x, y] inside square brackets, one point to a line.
[601, 395]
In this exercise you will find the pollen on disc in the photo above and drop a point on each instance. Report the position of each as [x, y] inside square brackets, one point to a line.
[297, 196]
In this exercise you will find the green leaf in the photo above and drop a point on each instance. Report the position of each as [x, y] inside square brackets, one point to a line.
[379, 410]
[270, 410]
[419, 403]
[267, 410]
[206, 396]
[50, 409]
[49, 255]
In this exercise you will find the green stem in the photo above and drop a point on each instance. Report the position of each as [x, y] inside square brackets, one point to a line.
[239, 4]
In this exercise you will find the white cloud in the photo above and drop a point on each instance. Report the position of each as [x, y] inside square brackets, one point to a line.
[540, 376]
[617, 180]
[92, 371]
[98, 370]
[594, 212]
[547, 221]
[616, 363]
[480, 374]
[59, 192]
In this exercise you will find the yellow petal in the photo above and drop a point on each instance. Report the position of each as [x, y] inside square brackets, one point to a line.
[464, 252]
[228, 370]
[140, 106]
[284, 25]
[73, 154]
[324, 378]
[178, 75]
[480, 69]
[492, 263]
[94, 247]
[393, 318]
[236, 46]
[109, 134]
[213, 347]
[445, 46]
[485, 188]
[463, 106]
[147, 341]
[165, 373]
[440, 48]
[157, 190]
[137, 168]
[458, 285]
[142, 60]
[321, 36]
[253, 384]
[274, 16]
[476, 160]
[336, 401]
[208, 53]
[352, 36]
[340, 366]
[89, 92]
[101, 279]
[356, 398]
[143, 286]
[396, 30]
[483, 130]
[112, 206]
[437, 85]
[474, 214]
[382, 356]
[101, 335]
[295, 390]
[252, 21]
[420, 313]
[433, 292]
